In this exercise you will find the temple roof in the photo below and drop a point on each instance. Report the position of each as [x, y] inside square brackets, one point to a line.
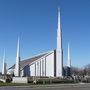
[28, 61]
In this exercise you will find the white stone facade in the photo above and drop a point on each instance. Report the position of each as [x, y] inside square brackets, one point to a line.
[44, 66]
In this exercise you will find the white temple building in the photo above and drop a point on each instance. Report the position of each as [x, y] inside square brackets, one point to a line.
[45, 64]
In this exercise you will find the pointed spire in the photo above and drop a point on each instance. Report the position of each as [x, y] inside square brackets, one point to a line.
[18, 48]
[4, 63]
[59, 20]
[59, 32]
[59, 60]
[69, 61]
[17, 67]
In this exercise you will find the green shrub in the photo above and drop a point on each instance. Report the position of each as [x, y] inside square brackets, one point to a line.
[53, 81]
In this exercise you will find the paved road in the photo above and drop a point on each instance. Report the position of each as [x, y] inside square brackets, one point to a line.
[48, 87]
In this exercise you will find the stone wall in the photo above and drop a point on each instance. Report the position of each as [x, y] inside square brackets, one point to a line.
[20, 80]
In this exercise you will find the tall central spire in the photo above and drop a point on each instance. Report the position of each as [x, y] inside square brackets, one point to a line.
[17, 67]
[59, 59]
[59, 33]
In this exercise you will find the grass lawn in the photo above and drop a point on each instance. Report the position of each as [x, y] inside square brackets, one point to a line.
[13, 84]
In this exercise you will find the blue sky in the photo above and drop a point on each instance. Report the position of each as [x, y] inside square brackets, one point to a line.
[35, 22]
